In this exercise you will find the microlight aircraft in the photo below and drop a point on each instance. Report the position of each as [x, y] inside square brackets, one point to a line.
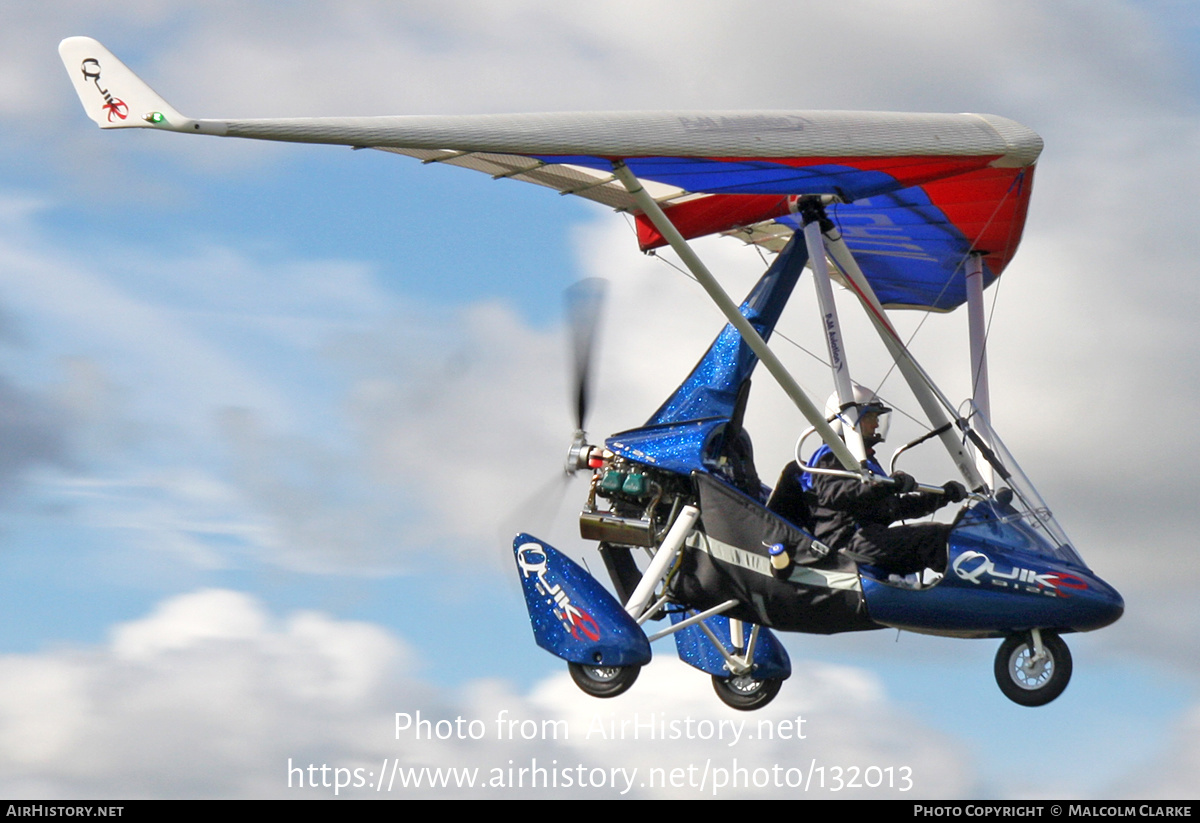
[918, 211]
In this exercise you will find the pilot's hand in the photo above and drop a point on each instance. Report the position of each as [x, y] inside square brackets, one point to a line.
[954, 492]
[905, 483]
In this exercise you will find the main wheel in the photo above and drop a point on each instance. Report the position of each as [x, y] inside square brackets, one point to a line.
[744, 693]
[1033, 682]
[603, 681]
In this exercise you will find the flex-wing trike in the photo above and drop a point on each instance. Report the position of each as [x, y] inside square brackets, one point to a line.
[904, 210]
[683, 488]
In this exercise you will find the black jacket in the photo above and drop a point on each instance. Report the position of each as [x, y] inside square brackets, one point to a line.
[841, 506]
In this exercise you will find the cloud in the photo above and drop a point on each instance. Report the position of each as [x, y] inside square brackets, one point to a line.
[211, 695]
[849, 726]
[210, 670]
[319, 58]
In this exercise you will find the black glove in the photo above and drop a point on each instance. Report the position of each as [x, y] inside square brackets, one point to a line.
[954, 492]
[904, 482]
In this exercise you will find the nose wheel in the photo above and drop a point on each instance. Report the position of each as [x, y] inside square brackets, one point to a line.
[1029, 677]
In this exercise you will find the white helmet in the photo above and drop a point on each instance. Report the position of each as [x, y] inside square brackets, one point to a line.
[867, 402]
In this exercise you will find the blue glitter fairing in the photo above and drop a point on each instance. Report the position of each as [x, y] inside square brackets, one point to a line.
[674, 447]
[770, 658]
[572, 615]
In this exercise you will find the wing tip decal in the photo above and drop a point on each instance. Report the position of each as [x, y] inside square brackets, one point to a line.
[116, 98]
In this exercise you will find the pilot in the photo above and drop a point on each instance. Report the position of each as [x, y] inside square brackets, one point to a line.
[856, 517]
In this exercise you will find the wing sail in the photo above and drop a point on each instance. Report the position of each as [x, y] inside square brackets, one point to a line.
[942, 184]
[912, 244]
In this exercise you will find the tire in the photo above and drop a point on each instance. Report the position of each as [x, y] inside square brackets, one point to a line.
[603, 681]
[1040, 683]
[744, 693]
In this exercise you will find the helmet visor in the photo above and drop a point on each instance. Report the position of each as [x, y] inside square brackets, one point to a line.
[874, 419]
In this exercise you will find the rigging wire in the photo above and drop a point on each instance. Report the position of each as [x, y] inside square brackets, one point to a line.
[923, 424]
[775, 333]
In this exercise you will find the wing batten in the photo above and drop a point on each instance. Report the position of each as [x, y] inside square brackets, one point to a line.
[565, 179]
[612, 178]
[438, 157]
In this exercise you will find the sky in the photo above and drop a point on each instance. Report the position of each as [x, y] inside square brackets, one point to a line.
[270, 414]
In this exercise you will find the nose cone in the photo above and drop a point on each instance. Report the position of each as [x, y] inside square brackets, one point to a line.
[1096, 606]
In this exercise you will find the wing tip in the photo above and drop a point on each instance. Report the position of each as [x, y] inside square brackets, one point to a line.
[1023, 144]
[112, 95]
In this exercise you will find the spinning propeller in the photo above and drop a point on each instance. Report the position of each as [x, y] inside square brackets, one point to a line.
[585, 300]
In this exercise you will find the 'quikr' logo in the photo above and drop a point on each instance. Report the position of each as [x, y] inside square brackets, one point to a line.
[532, 560]
[972, 565]
[115, 106]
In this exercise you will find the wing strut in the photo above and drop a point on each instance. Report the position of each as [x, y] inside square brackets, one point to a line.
[978, 335]
[979, 369]
[730, 309]
[932, 401]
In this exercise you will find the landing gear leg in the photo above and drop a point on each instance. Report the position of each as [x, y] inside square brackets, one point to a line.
[740, 689]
